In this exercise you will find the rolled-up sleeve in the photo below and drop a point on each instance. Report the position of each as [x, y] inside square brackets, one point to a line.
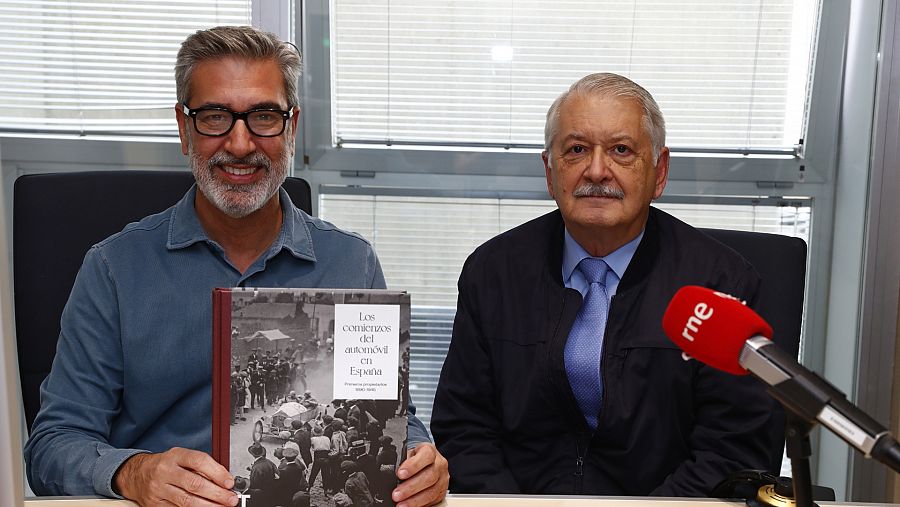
[416, 433]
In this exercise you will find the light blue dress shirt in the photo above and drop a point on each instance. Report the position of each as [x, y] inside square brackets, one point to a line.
[617, 261]
[133, 365]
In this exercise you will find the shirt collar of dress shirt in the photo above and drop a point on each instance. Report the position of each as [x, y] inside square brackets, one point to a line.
[617, 261]
[185, 228]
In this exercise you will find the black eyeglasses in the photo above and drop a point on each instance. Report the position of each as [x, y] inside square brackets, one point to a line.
[218, 121]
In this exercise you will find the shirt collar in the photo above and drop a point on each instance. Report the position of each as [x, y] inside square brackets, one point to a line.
[185, 228]
[617, 261]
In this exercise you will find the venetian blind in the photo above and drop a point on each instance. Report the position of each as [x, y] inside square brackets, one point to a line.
[728, 74]
[422, 243]
[98, 67]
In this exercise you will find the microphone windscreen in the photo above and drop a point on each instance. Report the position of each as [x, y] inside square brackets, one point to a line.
[712, 327]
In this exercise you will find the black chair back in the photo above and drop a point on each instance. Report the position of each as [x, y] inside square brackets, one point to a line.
[781, 263]
[57, 217]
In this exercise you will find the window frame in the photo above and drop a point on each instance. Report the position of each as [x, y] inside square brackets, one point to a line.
[499, 172]
[268, 15]
[693, 176]
[813, 161]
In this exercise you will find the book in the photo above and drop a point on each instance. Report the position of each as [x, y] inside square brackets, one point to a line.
[310, 393]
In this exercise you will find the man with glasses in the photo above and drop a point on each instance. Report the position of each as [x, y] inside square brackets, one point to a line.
[126, 408]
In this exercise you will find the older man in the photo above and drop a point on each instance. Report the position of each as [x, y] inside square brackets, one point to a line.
[126, 409]
[559, 379]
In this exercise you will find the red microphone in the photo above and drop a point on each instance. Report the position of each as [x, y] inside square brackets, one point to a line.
[720, 331]
[712, 327]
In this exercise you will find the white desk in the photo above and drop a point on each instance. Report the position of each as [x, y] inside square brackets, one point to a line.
[473, 501]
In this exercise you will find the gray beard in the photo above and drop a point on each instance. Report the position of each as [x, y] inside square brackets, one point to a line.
[238, 201]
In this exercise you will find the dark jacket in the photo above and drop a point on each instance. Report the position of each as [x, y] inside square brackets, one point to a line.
[357, 488]
[263, 474]
[387, 455]
[263, 491]
[302, 438]
[291, 479]
[504, 414]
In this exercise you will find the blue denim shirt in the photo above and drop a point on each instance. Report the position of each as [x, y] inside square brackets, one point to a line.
[133, 364]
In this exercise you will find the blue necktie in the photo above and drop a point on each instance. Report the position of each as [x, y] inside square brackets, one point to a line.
[582, 354]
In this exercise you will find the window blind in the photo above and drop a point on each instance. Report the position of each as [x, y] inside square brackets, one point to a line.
[98, 67]
[422, 243]
[728, 74]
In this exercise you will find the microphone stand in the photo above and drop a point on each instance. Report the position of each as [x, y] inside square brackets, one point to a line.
[796, 438]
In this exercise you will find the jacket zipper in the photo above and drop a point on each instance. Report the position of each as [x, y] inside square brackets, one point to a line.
[579, 464]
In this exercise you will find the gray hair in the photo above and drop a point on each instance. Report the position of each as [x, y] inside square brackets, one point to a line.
[612, 85]
[237, 41]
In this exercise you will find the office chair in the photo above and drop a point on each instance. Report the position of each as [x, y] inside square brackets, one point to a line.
[56, 218]
[781, 263]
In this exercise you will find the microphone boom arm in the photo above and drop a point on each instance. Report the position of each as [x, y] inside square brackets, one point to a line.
[813, 399]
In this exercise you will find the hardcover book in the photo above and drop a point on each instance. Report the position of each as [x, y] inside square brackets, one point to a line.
[310, 393]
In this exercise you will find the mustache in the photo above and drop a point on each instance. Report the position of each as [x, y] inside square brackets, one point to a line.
[594, 190]
[255, 159]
